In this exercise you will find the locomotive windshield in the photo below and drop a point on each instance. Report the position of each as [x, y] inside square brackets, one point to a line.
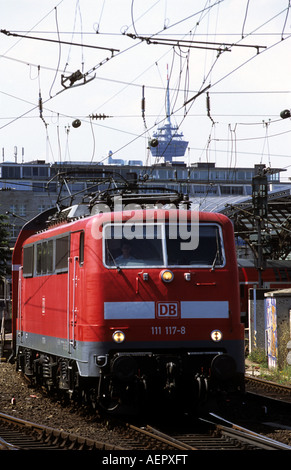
[161, 245]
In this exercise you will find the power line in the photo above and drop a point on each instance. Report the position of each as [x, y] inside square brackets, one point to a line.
[197, 93]
[58, 41]
[208, 45]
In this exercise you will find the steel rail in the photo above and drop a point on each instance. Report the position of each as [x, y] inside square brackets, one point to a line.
[228, 436]
[247, 434]
[43, 437]
[256, 380]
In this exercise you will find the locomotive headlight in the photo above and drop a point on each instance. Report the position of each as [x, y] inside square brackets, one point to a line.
[216, 336]
[167, 275]
[118, 336]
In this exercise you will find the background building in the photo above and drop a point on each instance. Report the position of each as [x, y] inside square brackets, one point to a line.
[27, 189]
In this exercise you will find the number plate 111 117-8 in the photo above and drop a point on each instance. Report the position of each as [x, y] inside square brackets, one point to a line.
[168, 330]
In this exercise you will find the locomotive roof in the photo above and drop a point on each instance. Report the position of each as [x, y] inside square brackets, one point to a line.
[109, 194]
[145, 215]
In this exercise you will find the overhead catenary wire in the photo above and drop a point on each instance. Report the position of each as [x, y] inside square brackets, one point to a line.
[175, 111]
[209, 45]
[58, 41]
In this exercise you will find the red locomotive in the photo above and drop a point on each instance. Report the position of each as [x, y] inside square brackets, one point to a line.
[276, 275]
[121, 306]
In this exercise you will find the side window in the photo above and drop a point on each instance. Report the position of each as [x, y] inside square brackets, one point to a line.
[28, 261]
[62, 254]
[38, 258]
[81, 248]
[50, 258]
[43, 257]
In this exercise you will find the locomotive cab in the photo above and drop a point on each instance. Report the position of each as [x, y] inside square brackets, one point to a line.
[172, 309]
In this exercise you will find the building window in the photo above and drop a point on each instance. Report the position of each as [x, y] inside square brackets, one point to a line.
[22, 209]
[10, 172]
[26, 171]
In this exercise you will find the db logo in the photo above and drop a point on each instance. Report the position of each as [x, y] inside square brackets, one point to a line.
[168, 309]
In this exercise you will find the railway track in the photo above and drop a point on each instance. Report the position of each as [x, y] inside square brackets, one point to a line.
[281, 390]
[202, 436]
[19, 434]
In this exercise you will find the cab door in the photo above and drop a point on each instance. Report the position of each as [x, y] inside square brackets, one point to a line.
[75, 265]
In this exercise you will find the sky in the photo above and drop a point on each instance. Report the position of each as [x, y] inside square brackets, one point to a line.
[228, 63]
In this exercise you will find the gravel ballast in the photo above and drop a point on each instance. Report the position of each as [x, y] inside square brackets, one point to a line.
[20, 400]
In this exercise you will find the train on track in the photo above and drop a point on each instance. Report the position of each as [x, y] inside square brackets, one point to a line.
[127, 303]
[275, 275]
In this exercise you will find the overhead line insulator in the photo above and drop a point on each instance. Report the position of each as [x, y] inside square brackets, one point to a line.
[98, 116]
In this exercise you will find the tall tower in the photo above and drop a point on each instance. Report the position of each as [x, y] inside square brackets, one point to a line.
[169, 141]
